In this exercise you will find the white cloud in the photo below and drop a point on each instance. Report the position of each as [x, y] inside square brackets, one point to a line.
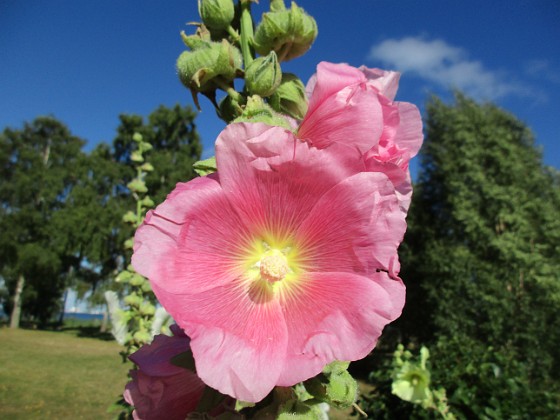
[445, 65]
[543, 70]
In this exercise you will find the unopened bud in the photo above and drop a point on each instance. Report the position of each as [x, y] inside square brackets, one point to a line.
[263, 75]
[258, 111]
[199, 67]
[290, 97]
[289, 33]
[229, 109]
[216, 14]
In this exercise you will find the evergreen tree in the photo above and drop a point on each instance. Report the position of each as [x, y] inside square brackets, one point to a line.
[481, 262]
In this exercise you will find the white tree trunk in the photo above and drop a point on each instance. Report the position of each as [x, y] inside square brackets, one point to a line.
[16, 311]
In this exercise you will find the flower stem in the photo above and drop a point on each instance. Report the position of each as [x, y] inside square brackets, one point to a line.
[246, 32]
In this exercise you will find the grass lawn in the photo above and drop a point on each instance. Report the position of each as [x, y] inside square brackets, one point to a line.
[58, 375]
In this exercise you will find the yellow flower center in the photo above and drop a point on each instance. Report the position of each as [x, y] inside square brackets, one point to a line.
[274, 266]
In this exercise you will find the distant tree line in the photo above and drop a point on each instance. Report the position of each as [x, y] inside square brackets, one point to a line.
[61, 208]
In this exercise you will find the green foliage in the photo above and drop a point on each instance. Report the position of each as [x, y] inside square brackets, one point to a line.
[39, 170]
[176, 147]
[481, 263]
[61, 209]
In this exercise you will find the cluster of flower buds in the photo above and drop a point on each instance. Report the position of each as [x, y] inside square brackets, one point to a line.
[224, 48]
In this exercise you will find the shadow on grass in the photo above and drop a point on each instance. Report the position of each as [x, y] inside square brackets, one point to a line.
[82, 329]
[88, 332]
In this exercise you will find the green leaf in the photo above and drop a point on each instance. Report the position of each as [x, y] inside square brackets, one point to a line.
[205, 167]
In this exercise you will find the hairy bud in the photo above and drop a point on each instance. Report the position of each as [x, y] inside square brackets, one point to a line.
[289, 33]
[263, 75]
[198, 68]
[216, 14]
[290, 97]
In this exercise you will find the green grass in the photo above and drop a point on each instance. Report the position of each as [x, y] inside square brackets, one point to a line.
[58, 375]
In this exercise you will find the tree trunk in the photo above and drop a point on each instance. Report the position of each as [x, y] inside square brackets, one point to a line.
[61, 316]
[16, 311]
[105, 322]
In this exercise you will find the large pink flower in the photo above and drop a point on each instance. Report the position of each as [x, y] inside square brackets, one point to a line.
[159, 389]
[352, 111]
[280, 263]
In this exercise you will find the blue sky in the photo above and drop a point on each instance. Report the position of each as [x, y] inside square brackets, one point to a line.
[85, 62]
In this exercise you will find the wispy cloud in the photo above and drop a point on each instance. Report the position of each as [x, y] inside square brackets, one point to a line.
[542, 69]
[445, 65]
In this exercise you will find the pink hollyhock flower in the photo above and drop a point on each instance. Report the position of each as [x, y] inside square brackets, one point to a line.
[160, 389]
[282, 262]
[351, 111]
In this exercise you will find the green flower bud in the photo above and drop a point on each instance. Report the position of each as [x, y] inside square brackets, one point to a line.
[146, 308]
[123, 277]
[147, 167]
[136, 156]
[229, 109]
[288, 32]
[342, 389]
[199, 69]
[263, 75]
[142, 336]
[133, 300]
[216, 14]
[290, 97]
[137, 280]
[257, 111]
[137, 186]
[144, 146]
[130, 217]
[147, 202]
[199, 39]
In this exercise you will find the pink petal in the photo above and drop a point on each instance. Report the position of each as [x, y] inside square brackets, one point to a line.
[352, 114]
[336, 316]
[399, 177]
[155, 240]
[357, 226]
[329, 79]
[273, 179]
[385, 82]
[402, 134]
[237, 338]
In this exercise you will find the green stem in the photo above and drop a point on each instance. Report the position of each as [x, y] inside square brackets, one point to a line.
[138, 201]
[246, 32]
[235, 95]
[233, 33]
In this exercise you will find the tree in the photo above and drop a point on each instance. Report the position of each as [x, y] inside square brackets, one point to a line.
[481, 262]
[38, 171]
[102, 198]
[176, 146]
